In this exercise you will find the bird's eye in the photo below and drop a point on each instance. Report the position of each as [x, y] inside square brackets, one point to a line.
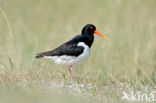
[91, 27]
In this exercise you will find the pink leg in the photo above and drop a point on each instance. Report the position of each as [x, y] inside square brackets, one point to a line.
[70, 70]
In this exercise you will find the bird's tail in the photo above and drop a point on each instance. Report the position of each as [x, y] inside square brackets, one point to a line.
[40, 55]
[43, 54]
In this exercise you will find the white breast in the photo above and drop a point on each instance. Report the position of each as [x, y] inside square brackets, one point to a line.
[71, 60]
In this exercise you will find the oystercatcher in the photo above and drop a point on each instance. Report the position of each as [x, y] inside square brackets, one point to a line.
[74, 51]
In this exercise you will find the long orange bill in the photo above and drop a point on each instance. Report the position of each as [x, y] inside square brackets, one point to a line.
[96, 32]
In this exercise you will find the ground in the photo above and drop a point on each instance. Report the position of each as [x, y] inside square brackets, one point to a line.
[126, 62]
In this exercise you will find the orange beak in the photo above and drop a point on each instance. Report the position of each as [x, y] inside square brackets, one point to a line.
[96, 32]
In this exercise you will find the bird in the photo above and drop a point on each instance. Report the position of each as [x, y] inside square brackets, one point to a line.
[74, 51]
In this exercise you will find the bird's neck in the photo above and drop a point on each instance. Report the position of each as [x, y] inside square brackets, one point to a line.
[90, 40]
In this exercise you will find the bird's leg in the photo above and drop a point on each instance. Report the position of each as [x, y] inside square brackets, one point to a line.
[70, 70]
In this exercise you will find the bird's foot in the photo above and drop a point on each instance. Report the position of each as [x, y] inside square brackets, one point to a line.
[71, 71]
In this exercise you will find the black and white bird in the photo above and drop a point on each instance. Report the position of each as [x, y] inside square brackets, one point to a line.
[75, 51]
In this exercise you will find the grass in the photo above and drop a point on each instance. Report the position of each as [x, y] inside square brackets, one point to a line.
[125, 62]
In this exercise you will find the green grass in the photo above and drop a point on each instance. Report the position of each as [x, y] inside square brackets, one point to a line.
[125, 62]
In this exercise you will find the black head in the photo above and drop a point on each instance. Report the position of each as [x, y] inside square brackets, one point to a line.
[88, 29]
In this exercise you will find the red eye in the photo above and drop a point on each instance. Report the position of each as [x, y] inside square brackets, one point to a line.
[91, 27]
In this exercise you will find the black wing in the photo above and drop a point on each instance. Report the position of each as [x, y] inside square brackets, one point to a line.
[70, 48]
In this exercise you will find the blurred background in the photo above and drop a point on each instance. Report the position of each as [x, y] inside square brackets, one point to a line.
[125, 62]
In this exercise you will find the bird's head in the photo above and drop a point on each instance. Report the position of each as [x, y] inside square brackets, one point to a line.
[90, 29]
